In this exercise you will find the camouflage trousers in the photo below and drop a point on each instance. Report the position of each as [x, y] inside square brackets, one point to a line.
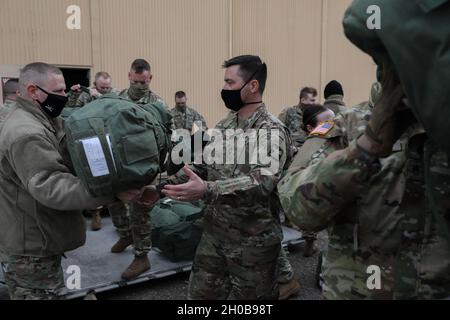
[31, 278]
[230, 271]
[285, 271]
[307, 235]
[133, 221]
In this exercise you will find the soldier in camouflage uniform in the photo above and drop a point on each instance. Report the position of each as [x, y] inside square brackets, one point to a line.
[334, 97]
[79, 98]
[346, 127]
[184, 117]
[41, 200]
[102, 85]
[133, 222]
[386, 204]
[10, 90]
[293, 117]
[237, 255]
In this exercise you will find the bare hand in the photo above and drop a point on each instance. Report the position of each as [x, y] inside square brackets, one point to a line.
[149, 196]
[193, 190]
[94, 93]
[76, 88]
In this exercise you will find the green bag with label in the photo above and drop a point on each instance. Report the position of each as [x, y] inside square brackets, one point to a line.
[116, 145]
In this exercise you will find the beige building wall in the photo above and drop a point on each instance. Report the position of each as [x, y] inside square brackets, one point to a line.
[186, 41]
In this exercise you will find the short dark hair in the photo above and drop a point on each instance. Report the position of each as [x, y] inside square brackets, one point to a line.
[307, 90]
[180, 94]
[250, 67]
[310, 114]
[140, 65]
[11, 86]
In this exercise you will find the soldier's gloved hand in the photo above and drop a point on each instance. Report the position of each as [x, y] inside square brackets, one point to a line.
[381, 132]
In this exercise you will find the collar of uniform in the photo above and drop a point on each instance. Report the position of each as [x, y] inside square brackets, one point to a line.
[35, 110]
[233, 116]
[335, 98]
[255, 116]
[144, 100]
[185, 110]
[298, 108]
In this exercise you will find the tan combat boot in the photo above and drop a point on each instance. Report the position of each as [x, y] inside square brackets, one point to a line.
[289, 289]
[136, 268]
[121, 245]
[96, 222]
[310, 249]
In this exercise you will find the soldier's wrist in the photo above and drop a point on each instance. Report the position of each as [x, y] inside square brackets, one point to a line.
[364, 159]
[210, 195]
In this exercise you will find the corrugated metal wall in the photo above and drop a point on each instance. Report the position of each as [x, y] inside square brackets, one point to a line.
[36, 31]
[186, 42]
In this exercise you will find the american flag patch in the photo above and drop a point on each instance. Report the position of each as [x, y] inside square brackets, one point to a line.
[323, 129]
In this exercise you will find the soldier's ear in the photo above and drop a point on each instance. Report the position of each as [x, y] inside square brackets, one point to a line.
[32, 91]
[254, 86]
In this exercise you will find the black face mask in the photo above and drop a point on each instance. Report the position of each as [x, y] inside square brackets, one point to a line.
[54, 104]
[233, 99]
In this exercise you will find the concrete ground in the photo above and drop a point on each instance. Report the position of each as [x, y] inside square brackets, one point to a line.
[175, 288]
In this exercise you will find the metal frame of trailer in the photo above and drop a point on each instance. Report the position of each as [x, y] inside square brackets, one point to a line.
[100, 269]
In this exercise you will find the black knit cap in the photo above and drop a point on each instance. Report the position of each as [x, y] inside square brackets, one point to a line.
[332, 88]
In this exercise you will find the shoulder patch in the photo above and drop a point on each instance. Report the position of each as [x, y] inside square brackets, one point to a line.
[323, 129]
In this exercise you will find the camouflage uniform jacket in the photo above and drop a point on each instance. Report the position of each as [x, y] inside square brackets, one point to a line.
[185, 119]
[293, 119]
[335, 103]
[78, 100]
[149, 98]
[242, 201]
[8, 103]
[390, 214]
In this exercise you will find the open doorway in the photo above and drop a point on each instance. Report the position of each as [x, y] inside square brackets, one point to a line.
[76, 76]
[71, 75]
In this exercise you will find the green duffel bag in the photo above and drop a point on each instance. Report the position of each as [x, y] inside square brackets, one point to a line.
[179, 242]
[67, 112]
[415, 36]
[116, 145]
[176, 228]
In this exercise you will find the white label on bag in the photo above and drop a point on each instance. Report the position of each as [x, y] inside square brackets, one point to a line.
[108, 138]
[95, 156]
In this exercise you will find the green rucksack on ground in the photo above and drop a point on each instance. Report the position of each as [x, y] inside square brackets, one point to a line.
[176, 228]
[415, 36]
[116, 145]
